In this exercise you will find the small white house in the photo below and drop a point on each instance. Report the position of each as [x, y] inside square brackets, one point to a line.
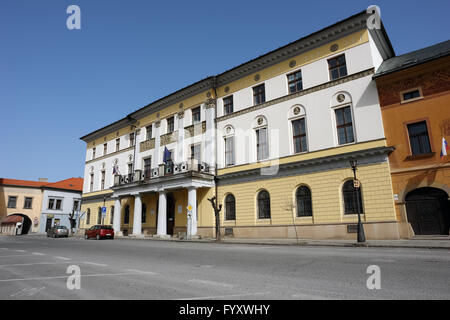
[61, 202]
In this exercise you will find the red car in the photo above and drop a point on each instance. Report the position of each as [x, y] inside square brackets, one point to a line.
[98, 232]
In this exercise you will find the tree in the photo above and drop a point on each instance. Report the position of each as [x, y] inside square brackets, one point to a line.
[291, 207]
[217, 210]
[73, 221]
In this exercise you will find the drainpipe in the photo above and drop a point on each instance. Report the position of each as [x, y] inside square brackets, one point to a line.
[215, 147]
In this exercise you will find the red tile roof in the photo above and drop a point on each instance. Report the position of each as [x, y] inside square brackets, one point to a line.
[11, 219]
[75, 184]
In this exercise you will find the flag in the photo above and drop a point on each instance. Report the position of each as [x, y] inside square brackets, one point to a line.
[444, 148]
[115, 170]
[166, 156]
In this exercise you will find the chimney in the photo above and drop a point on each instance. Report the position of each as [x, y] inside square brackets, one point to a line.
[43, 179]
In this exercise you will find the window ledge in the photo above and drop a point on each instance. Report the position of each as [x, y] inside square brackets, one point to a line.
[420, 156]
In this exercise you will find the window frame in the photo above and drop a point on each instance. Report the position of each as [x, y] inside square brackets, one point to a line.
[170, 124]
[345, 193]
[344, 125]
[259, 93]
[105, 149]
[227, 216]
[25, 203]
[149, 132]
[259, 205]
[267, 152]
[132, 139]
[196, 112]
[408, 137]
[15, 201]
[337, 67]
[227, 106]
[192, 154]
[402, 93]
[117, 144]
[294, 81]
[226, 151]
[307, 198]
[300, 118]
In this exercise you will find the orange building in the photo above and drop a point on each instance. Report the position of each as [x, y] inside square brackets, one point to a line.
[414, 92]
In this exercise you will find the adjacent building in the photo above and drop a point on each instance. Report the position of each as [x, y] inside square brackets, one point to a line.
[34, 206]
[271, 139]
[414, 91]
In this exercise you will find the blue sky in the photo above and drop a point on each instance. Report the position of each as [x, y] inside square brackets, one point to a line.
[57, 85]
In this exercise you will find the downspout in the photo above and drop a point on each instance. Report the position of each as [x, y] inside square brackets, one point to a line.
[215, 149]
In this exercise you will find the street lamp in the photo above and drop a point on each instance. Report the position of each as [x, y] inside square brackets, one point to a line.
[361, 235]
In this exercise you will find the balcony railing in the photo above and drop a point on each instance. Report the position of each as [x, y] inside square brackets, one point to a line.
[163, 170]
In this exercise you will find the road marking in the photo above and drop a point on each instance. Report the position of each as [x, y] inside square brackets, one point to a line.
[226, 296]
[309, 296]
[212, 283]
[96, 264]
[139, 271]
[38, 253]
[62, 258]
[19, 250]
[27, 292]
[31, 264]
[81, 275]
[16, 255]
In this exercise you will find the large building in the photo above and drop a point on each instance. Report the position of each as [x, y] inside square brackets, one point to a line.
[34, 206]
[414, 91]
[271, 139]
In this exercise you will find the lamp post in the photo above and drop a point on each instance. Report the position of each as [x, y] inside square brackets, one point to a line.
[361, 235]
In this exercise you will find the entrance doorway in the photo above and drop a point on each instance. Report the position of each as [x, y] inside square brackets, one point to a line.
[48, 224]
[428, 211]
[170, 213]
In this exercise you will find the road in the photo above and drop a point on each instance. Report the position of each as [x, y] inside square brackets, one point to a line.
[35, 267]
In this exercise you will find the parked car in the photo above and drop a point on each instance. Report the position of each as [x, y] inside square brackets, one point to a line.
[57, 232]
[98, 232]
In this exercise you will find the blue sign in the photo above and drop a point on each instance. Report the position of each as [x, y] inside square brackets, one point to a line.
[103, 211]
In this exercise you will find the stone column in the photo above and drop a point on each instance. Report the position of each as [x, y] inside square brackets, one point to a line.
[210, 135]
[117, 216]
[192, 219]
[162, 215]
[137, 217]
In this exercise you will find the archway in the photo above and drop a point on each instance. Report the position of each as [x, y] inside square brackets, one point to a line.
[26, 223]
[428, 211]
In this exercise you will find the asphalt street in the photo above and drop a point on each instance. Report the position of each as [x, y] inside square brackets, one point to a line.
[36, 267]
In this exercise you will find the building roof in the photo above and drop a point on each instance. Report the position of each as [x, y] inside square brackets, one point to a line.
[75, 184]
[413, 58]
[11, 219]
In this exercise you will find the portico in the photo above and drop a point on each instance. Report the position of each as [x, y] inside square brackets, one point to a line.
[172, 202]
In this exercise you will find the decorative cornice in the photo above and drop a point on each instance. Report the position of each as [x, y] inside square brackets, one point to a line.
[326, 85]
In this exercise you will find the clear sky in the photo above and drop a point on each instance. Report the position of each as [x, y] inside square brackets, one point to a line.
[57, 85]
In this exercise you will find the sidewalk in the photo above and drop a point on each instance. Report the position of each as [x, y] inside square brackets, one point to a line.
[426, 242]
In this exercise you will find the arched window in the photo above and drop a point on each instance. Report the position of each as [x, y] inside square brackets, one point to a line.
[263, 205]
[111, 218]
[304, 205]
[99, 215]
[230, 207]
[350, 195]
[144, 212]
[126, 216]
[88, 217]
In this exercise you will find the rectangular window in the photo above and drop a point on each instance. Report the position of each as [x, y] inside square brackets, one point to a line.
[132, 139]
[229, 151]
[76, 205]
[262, 147]
[228, 105]
[105, 149]
[295, 82]
[418, 138]
[118, 144]
[58, 204]
[103, 180]
[130, 168]
[299, 135]
[149, 132]
[344, 125]
[91, 187]
[93, 153]
[337, 67]
[51, 203]
[54, 204]
[196, 152]
[411, 95]
[170, 124]
[196, 115]
[28, 203]
[147, 167]
[12, 201]
[259, 94]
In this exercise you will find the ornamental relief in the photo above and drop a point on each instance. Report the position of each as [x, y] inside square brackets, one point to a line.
[169, 138]
[147, 145]
[195, 129]
[431, 83]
